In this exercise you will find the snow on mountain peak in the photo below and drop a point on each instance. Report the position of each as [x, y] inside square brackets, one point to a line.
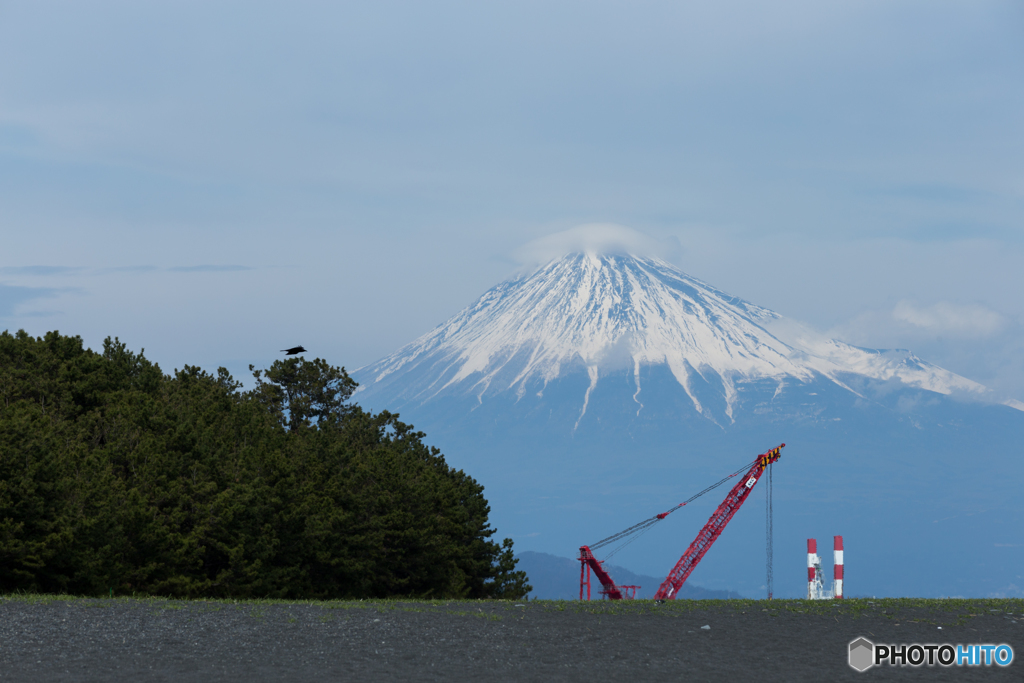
[610, 312]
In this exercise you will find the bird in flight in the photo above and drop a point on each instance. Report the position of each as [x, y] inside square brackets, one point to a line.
[292, 351]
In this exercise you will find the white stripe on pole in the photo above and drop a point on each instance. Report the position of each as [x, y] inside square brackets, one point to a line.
[838, 566]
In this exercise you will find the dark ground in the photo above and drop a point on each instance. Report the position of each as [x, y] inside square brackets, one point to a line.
[81, 639]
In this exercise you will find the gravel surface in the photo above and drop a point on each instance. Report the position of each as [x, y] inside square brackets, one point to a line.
[81, 639]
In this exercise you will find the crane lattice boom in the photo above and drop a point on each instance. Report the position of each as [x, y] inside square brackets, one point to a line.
[716, 524]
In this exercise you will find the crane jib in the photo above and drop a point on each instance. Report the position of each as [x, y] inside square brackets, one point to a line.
[716, 524]
[589, 564]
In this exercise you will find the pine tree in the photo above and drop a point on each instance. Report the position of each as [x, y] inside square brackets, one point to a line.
[114, 475]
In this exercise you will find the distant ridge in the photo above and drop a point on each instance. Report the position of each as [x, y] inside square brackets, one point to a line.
[558, 578]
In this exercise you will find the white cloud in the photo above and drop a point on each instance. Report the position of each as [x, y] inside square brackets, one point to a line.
[944, 318]
[910, 325]
[973, 341]
[598, 238]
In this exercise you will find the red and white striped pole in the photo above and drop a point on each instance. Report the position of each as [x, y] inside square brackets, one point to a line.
[812, 554]
[837, 564]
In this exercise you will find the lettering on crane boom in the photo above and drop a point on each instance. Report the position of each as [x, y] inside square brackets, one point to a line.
[751, 482]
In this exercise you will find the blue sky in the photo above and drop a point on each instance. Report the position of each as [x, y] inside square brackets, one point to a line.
[215, 181]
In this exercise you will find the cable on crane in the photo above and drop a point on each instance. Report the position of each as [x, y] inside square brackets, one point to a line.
[640, 528]
[769, 534]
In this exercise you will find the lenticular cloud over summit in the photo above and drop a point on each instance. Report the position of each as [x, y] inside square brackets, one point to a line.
[595, 314]
[595, 238]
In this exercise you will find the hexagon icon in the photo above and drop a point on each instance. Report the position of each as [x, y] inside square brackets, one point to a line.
[862, 654]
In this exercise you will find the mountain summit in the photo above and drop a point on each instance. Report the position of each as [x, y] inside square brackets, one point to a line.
[604, 314]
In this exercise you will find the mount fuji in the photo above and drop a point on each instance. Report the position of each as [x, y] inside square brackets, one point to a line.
[599, 388]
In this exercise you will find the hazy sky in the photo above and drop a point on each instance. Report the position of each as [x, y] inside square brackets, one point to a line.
[215, 181]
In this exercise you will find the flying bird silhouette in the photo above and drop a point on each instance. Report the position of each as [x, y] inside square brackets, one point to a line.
[294, 350]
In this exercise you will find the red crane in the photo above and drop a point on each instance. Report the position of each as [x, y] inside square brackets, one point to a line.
[590, 563]
[693, 555]
[716, 524]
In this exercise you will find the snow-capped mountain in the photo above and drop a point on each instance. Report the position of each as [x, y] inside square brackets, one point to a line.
[601, 389]
[608, 313]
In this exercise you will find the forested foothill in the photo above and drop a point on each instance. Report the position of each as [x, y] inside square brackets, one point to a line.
[117, 477]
